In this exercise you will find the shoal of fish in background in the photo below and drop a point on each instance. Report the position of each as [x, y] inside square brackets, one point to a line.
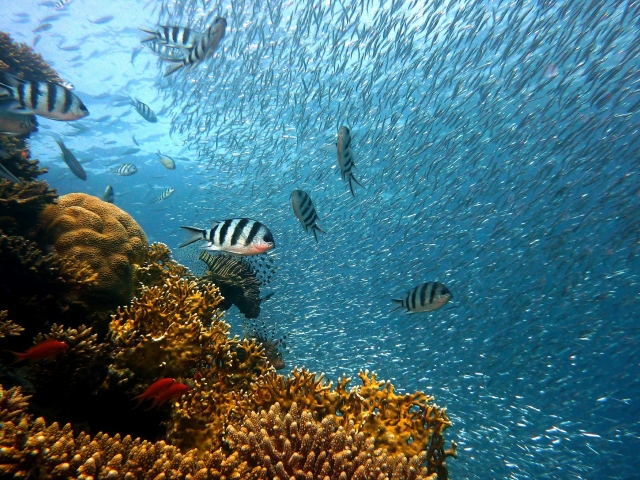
[498, 147]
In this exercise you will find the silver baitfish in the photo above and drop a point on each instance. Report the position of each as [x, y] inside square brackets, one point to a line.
[144, 111]
[305, 212]
[16, 124]
[71, 161]
[108, 195]
[47, 99]
[424, 298]
[126, 169]
[164, 195]
[173, 36]
[204, 48]
[167, 161]
[241, 236]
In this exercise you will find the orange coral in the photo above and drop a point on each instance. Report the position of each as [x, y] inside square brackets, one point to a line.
[102, 235]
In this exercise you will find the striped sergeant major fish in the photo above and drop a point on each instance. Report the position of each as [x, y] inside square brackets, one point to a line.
[47, 99]
[346, 157]
[164, 195]
[71, 160]
[173, 36]
[144, 110]
[167, 52]
[204, 48]
[424, 298]
[62, 4]
[305, 212]
[241, 236]
[126, 169]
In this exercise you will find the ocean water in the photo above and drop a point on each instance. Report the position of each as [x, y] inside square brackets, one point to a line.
[498, 147]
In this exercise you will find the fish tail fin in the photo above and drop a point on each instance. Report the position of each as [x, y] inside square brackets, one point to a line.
[153, 404]
[152, 36]
[8, 84]
[353, 179]
[317, 229]
[399, 306]
[18, 357]
[195, 234]
[173, 68]
[139, 399]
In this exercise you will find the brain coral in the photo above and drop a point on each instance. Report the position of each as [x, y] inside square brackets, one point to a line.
[102, 235]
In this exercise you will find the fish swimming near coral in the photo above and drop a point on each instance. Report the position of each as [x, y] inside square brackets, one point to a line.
[12, 124]
[174, 391]
[424, 298]
[46, 349]
[305, 212]
[71, 160]
[164, 195]
[126, 169]
[108, 195]
[241, 236]
[154, 389]
[47, 99]
[203, 48]
[4, 173]
[167, 161]
[346, 157]
[144, 110]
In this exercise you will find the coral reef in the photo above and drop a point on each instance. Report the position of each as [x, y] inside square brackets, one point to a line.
[297, 445]
[7, 327]
[90, 230]
[273, 444]
[273, 347]
[22, 61]
[21, 204]
[158, 267]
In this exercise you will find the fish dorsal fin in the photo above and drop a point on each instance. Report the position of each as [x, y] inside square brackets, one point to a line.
[214, 223]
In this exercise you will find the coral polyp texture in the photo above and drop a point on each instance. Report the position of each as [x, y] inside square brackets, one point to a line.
[20, 60]
[103, 236]
[295, 444]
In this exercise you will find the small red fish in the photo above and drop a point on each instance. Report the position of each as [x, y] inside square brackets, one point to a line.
[48, 348]
[174, 391]
[154, 389]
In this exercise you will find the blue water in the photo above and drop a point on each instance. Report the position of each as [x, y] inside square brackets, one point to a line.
[499, 150]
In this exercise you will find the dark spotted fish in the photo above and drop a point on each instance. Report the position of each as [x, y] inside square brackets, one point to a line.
[202, 49]
[126, 169]
[305, 212]
[424, 298]
[47, 99]
[241, 236]
[144, 111]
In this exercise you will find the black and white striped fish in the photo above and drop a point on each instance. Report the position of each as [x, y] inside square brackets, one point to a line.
[173, 36]
[167, 52]
[346, 157]
[424, 298]
[126, 169]
[305, 212]
[144, 110]
[47, 99]
[203, 48]
[164, 195]
[71, 160]
[241, 236]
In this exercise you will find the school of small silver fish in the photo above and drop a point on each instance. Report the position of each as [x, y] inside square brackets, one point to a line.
[475, 164]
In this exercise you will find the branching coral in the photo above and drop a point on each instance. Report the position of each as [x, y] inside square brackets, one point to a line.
[84, 227]
[21, 204]
[273, 347]
[298, 445]
[158, 267]
[21, 60]
[7, 327]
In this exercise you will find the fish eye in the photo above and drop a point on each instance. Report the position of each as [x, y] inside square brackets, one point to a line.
[268, 237]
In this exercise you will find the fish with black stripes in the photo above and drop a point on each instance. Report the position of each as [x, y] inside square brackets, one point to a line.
[204, 48]
[346, 156]
[126, 169]
[305, 212]
[172, 36]
[47, 99]
[164, 195]
[241, 236]
[424, 298]
[71, 160]
[144, 110]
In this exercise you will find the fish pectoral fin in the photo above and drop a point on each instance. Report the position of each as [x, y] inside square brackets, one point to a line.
[211, 247]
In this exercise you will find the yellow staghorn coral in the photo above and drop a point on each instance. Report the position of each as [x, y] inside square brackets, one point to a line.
[296, 444]
[158, 267]
[102, 235]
